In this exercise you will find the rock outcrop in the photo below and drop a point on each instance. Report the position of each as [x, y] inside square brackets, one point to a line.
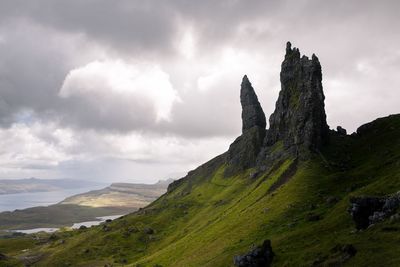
[252, 113]
[3, 257]
[243, 152]
[366, 211]
[299, 119]
[261, 256]
[297, 126]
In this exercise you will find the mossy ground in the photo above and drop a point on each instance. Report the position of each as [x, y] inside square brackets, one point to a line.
[206, 221]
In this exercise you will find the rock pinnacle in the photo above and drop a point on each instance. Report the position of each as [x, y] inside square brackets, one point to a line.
[252, 113]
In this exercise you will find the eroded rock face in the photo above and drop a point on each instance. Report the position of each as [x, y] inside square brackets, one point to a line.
[261, 256]
[298, 125]
[243, 152]
[252, 113]
[299, 119]
[366, 211]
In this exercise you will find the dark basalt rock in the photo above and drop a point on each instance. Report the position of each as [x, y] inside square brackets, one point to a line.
[3, 257]
[297, 126]
[148, 230]
[337, 257]
[243, 152]
[252, 113]
[366, 211]
[341, 130]
[299, 119]
[261, 256]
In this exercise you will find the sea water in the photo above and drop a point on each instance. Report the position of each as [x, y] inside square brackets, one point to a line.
[11, 202]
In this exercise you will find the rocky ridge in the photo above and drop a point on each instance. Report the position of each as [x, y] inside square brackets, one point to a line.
[298, 125]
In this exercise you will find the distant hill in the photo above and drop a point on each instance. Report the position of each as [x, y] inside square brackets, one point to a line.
[116, 199]
[121, 195]
[11, 186]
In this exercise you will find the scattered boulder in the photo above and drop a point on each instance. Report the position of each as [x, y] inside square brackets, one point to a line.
[148, 231]
[331, 200]
[313, 217]
[337, 257]
[395, 217]
[53, 237]
[261, 256]
[254, 174]
[341, 131]
[3, 257]
[344, 252]
[30, 259]
[367, 211]
[82, 227]
[106, 228]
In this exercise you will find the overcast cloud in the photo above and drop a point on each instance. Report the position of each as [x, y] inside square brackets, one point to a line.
[143, 90]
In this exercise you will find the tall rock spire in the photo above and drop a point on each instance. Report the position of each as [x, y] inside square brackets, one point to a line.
[299, 119]
[252, 113]
[242, 153]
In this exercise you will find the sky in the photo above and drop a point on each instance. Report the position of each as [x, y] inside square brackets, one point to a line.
[138, 91]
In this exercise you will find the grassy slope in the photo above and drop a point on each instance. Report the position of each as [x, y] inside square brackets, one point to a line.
[208, 220]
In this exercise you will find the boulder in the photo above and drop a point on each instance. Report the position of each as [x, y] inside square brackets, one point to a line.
[261, 256]
[366, 211]
[3, 257]
[148, 230]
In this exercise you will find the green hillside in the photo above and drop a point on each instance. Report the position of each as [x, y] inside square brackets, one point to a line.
[296, 194]
[207, 220]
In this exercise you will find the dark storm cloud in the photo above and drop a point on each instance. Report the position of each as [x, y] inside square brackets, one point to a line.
[34, 63]
[127, 25]
[135, 89]
[31, 73]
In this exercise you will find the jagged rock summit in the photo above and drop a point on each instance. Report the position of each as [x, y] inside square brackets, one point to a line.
[299, 119]
[297, 126]
[252, 113]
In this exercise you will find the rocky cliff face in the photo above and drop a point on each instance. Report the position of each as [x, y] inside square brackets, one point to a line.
[243, 152]
[252, 113]
[299, 119]
[297, 126]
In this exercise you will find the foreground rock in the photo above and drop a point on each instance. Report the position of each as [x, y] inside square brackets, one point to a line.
[366, 211]
[3, 257]
[337, 257]
[261, 256]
